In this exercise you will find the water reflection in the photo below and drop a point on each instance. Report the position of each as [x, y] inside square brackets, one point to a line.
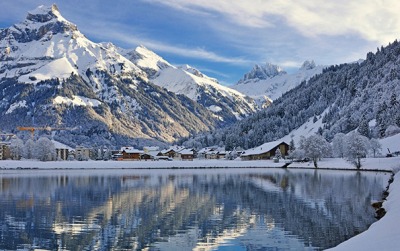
[245, 209]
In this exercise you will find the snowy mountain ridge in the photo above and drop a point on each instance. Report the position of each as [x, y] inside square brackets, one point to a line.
[269, 82]
[226, 103]
[51, 75]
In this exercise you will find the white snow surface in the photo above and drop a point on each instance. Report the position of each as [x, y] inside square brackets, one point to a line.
[59, 145]
[144, 58]
[78, 100]
[391, 143]
[14, 106]
[307, 129]
[274, 87]
[59, 68]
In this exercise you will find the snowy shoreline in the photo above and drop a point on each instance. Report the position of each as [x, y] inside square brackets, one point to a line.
[371, 164]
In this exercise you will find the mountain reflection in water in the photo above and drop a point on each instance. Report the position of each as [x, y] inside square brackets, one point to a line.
[213, 209]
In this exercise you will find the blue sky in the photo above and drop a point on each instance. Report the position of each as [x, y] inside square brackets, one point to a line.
[225, 38]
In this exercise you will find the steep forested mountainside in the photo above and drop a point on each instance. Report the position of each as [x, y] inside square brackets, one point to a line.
[52, 75]
[344, 96]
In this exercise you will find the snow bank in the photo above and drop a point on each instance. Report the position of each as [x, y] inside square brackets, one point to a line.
[383, 164]
[391, 143]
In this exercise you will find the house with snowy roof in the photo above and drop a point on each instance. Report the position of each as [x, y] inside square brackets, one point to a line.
[130, 153]
[266, 151]
[62, 150]
[187, 154]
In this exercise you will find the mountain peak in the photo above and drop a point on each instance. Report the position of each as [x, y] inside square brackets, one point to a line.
[263, 72]
[43, 14]
[44, 21]
[308, 65]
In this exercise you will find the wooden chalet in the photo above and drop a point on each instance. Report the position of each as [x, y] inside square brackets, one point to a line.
[187, 154]
[266, 151]
[130, 153]
[146, 156]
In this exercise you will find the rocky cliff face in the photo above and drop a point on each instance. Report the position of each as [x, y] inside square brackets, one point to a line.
[267, 83]
[262, 72]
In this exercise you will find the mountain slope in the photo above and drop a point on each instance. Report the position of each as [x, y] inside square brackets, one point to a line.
[52, 75]
[227, 104]
[345, 97]
[269, 82]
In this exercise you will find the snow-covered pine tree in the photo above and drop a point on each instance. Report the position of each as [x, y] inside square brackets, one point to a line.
[95, 152]
[363, 127]
[278, 154]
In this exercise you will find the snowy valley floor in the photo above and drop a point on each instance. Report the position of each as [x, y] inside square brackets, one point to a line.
[382, 235]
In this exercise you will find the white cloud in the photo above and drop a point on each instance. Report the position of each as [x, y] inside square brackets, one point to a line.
[198, 53]
[373, 20]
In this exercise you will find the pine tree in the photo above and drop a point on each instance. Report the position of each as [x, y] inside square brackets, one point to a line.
[292, 146]
[278, 154]
[363, 127]
[101, 154]
[95, 152]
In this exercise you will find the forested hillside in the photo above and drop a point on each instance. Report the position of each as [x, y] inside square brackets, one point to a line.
[345, 96]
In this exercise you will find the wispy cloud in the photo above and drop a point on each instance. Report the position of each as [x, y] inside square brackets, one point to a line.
[214, 72]
[198, 53]
[373, 20]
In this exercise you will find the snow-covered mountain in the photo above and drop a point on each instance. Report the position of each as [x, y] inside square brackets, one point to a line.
[227, 104]
[267, 83]
[52, 75]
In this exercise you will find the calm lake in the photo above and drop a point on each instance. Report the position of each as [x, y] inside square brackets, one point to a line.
[197, 209]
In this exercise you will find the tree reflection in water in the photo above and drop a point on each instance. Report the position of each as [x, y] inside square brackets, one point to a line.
[254, 209]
